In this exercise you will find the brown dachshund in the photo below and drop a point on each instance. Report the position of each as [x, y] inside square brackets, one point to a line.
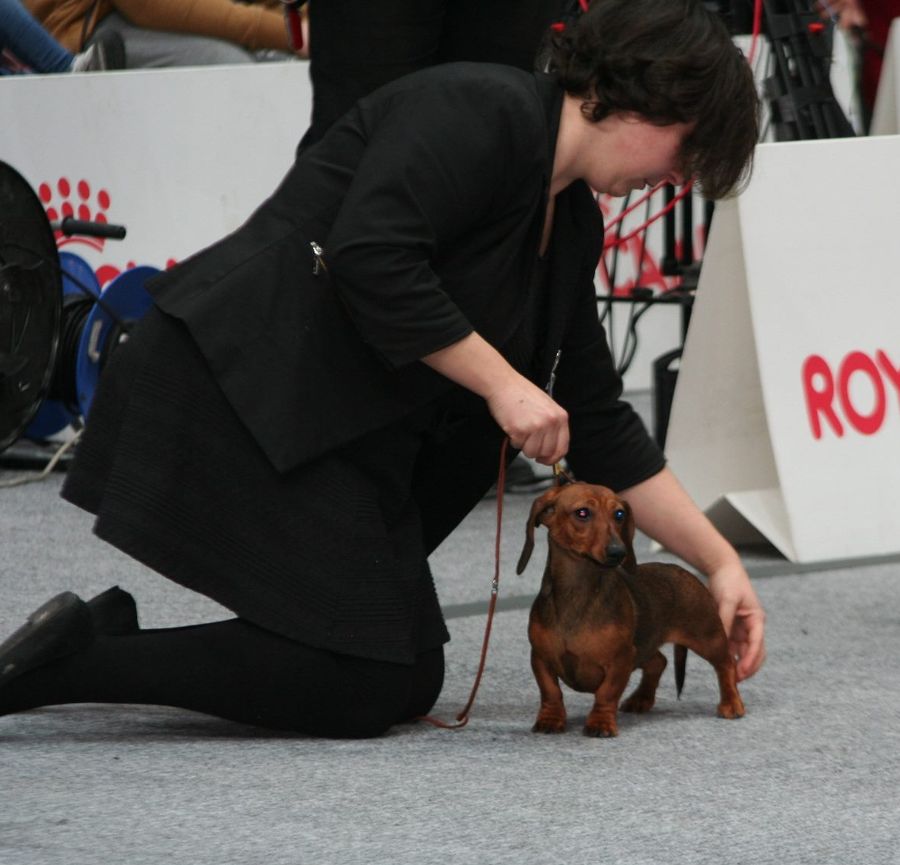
[599, 615]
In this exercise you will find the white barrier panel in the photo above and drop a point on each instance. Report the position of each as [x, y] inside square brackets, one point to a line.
[179, 156]
[786, 415]
[886, 113]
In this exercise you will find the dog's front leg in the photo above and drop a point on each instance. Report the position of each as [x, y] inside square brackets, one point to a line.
[601, 720]
[551, 717]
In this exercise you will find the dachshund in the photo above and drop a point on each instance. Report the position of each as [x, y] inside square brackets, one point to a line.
[599, 615]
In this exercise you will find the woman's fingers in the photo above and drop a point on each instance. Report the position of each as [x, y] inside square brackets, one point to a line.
[535, 424]
[547, 447]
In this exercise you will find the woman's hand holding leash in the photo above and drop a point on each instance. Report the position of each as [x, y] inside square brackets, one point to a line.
[535, 424]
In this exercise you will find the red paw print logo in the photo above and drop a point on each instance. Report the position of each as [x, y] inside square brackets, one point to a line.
[80, 202]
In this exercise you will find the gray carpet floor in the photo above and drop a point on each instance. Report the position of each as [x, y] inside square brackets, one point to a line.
[810, 775]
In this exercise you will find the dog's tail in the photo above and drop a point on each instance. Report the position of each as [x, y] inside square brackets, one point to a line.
[680, 666]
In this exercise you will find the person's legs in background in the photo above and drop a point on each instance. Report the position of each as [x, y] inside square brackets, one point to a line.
[26, 38]
[357, 46]
[152, 49]
[35, 50]
[497, 31]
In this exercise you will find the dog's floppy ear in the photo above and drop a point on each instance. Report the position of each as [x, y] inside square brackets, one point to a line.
[539, 509]
[630, 562]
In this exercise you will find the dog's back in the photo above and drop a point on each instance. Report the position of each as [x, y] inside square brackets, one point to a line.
[671, 604]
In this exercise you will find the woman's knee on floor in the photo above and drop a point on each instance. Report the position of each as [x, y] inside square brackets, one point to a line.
[369, 697]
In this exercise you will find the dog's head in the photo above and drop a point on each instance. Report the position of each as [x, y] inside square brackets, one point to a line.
[587, 520]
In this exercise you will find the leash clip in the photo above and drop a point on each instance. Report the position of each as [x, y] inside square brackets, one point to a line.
[561, 475]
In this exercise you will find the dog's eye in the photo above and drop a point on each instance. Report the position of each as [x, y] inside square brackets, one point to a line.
[583, 514]
[618, 515]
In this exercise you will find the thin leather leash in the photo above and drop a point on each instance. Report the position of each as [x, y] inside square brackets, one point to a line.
[463, 717]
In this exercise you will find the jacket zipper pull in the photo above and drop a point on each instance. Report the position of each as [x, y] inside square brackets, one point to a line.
[319, 265]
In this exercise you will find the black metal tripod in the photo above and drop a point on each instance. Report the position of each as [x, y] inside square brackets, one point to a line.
[799, 93]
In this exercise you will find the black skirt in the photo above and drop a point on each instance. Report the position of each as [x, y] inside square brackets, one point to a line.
[332, 554]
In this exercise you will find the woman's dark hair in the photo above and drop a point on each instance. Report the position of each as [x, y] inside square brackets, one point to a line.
[670, 61]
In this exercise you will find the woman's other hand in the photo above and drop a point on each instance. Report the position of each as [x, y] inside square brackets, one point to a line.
[742, 615]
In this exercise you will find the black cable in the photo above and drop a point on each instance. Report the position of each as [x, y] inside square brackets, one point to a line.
[623, 368]
[63, 384]
[611, 273]
[640, 264]
[615, 259]
[629, 344]
[608, 305]
[767, 73]
[626, 342]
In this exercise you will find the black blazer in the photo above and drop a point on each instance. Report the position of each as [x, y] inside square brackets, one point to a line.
[427, 201]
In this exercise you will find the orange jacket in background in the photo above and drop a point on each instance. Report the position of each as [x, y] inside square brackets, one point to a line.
[254, 26]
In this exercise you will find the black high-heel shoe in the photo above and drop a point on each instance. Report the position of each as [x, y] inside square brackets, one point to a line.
[114, 612]
[58, 628]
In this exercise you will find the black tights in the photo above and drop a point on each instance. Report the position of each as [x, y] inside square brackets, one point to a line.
[238, 671]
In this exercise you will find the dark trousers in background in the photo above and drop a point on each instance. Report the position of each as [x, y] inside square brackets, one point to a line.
[356, 46]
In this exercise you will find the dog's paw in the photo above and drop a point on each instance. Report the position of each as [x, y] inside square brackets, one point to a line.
[549, 725]
[601, 721]
[600, 731]
[637, 703]
[731, 710]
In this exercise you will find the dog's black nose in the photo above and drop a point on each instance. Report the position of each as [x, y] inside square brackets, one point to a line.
[615, 553]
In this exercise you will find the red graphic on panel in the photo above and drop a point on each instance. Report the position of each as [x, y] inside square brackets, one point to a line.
[628, 252]
[89, 202]
[79, 201]
[830, 402]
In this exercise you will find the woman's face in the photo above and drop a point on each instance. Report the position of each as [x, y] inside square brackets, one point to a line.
[625, 152]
